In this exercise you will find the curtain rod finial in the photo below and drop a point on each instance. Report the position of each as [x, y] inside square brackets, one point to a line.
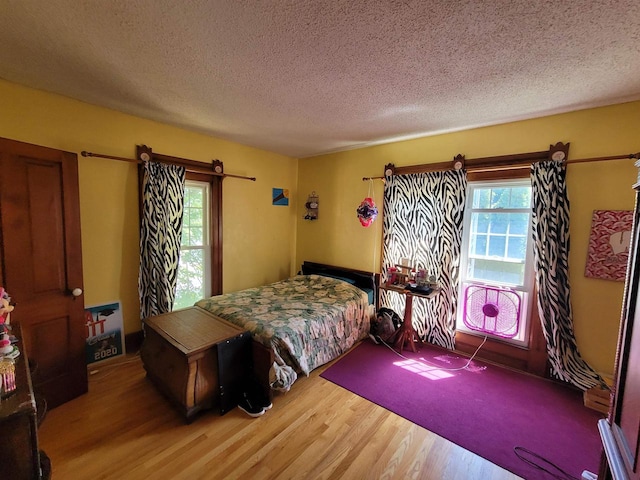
[389, 170]
[559, 152]
[458, 162]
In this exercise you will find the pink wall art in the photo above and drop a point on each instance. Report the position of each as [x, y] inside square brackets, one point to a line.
[609, 244]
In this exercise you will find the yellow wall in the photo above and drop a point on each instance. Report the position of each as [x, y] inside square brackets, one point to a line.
[258, 238]
[337, 237]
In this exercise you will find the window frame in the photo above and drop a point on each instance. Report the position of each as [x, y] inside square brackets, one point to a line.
[206, 246]
[532, 359]
[525, 289]
[215, 226]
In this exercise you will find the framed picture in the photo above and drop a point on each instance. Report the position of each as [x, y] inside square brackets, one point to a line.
[280, 196]
[104, 327]
[609, 244]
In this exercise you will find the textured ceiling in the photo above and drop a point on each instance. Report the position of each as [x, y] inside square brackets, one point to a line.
[309, 77]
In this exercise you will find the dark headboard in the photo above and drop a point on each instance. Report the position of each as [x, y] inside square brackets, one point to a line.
[363, 279]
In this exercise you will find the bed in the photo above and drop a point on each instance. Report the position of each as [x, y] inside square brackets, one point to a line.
[303, 322]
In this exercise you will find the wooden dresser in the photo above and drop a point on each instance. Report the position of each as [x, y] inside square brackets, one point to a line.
[197, 360]
[20, 457]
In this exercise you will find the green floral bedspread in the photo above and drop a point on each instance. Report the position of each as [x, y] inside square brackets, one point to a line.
[308, 320]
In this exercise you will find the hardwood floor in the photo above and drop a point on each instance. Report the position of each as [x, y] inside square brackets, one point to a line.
[124, 429]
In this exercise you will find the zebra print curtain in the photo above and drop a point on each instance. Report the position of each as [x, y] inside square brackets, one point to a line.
[550, 231]
[160, 232]
[423, 222]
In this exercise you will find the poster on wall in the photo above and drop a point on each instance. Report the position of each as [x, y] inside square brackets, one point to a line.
[280, 196]
[104, 328]
[609, 244]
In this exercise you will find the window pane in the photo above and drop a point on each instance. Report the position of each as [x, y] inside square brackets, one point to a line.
[517, 249]
[505, 197]
[191, 195]
[479, 245]
[196, 236]
[518, 223]
[481, 269]
[520, 197]
[190, 286]
[500, 197]
[195, 217]
[185, 236]
[196, 197]
[480, 222]
[497, 245]
[481, 198]
[499, 222]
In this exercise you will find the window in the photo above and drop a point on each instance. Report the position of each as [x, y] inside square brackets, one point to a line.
[497, 260]
[195, 248]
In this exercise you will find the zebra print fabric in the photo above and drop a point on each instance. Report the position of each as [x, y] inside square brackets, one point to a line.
[160, 232]
[550, 230]
[423, 222]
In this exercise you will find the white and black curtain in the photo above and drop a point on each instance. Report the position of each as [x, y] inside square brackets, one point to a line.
[423, 216]
[160, 232]
[550, 222]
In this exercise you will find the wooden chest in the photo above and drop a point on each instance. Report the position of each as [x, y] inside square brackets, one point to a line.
[196, 359]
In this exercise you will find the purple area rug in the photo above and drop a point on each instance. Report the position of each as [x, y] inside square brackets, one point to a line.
[486, 409]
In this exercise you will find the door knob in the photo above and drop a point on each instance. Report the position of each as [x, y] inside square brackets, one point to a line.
[76, 292]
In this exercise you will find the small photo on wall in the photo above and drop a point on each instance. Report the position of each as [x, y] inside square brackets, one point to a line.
[104, 328]
[609, 244]
[280, 196]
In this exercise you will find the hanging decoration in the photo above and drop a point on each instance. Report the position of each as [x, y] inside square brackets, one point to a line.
[367, 210]
[312, 207]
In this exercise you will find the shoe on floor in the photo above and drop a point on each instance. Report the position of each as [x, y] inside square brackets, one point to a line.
[257, 393]
[250, 407]
[263, 399]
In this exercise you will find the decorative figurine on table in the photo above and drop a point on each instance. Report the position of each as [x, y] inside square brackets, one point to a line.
[5, 342]
[7, 350]
[7, 377]
[393, 276]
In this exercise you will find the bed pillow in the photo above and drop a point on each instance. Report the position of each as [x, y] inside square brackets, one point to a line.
[337, 277]
[369, 291]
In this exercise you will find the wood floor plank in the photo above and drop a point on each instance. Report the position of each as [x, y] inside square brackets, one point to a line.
[125, 429]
